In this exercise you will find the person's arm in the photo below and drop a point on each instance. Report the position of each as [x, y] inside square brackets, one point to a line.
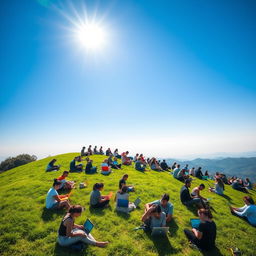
[146, 215]
[242, 211]
[197, 233]
[78, 226]
[168, 217]
[147, 206]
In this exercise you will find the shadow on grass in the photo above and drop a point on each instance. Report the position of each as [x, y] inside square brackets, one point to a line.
[214, 252]
[173, 227]
[162, 244]
[48, 214]
[226, 197]
[63, 251]
[123, 215]
[97, 211]
[193, 209]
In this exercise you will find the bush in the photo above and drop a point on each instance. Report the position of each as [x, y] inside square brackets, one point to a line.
[12, 162]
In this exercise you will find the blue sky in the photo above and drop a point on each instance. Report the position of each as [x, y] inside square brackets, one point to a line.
[175, 78]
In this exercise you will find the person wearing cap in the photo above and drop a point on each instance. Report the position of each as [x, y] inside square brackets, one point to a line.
[185, 196]
[166, 206]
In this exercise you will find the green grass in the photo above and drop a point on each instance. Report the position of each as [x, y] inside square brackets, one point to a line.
[27, 228]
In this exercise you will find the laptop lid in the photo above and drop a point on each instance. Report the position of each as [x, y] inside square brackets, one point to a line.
[122, 203]
[137, 202]
[88, 226]
[194, 223]
[160, 231]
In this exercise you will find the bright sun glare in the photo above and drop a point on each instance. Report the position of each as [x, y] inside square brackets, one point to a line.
[91, 36]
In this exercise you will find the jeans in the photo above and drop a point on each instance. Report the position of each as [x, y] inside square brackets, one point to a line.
[100, 205]
[193, 201]
[66, 241]
[191, 237]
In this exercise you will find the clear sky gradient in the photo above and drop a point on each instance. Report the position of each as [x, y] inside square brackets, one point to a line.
[174, 79]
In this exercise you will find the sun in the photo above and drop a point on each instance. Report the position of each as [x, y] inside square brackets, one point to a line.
[90, 36]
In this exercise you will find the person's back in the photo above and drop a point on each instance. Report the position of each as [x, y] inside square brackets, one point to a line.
[164, 166]
[156, 223]
[184, 195]
[73, 165]
[199, 173]
[176, 172]
[95, 197]
[50, 200]
[219, 189]
[88, 167]
[208, 228]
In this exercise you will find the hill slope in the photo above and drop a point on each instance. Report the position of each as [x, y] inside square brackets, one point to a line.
[27, 228]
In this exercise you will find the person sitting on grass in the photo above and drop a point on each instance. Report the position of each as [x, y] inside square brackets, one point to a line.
[176, 171]
[154, 217]
[165, 205]
[108, 152]
[174, 165]
[248, 184]
[238, 185]
[164, 165]
[219, 187]
[204, 236]
[136, 158]
[105, 169]
[116, 154]
[122, 183]
[142, 159]
[101, 152]
[192, 171]
[139, 165]
[96, 199]
[182, 175]
[89, 151]
[65, 184]
[198, 173]
[83, 153]
[123, 194]
[196, 192]
[74, 167]
[154, 165]
[113, 163]
[185, 196]
[95, 151]
[70, 233]
[54, 200]
[125, 159]
[247, 212]
[89, 169]
[51, 167]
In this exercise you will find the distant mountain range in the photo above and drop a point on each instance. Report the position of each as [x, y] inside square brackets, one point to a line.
[241, 167]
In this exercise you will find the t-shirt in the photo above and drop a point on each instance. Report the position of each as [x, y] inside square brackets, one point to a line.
[95, 197]
[248, 211]
[175, 172]
[164, 165]
[185, 195]
[208, 229]
[138, 165]
[122, 182]
[50, 200]
[167, 210]
[156, 223]
[88, 167]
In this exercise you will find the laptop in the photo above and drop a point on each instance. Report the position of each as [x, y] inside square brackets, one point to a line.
[88, 226]
[137, 202]
[160, 231]
[194, 223]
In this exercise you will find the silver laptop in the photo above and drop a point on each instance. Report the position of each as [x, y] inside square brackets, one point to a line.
[160, 231]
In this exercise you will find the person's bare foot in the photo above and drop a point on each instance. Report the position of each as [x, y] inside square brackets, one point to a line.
[102, 244]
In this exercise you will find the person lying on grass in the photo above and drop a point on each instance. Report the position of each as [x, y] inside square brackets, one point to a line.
[105, 169]
[185, 196]
[165, 205]
[65, 184]
[247, 212]
[96, 199]
[238, 185]
[89, 169]
[154, 217]
[76, 168]
[219, 186]
[123, 194]
[51, 167]
[205, 235]
[54, 200]
[122, 183]
[70, 233]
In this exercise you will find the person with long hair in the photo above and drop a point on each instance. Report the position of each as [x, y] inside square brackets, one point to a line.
[204, 235]
[96, 199]
[70, 233]
[219, 186]
[247, 212]
[54, 200]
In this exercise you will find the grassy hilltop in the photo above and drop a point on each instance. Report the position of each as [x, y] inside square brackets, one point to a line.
[27, 228]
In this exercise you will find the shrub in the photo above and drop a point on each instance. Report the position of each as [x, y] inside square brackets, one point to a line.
[12, 162]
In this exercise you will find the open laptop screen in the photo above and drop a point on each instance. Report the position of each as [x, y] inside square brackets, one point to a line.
[88, 226]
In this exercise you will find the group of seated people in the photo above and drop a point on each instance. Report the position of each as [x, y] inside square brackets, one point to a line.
[157, 213]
